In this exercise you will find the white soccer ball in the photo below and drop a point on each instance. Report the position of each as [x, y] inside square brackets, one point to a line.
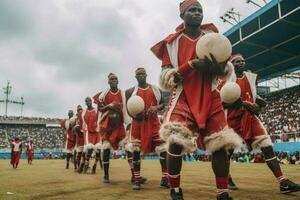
[216, 44]
[135, 105]
[230, 92]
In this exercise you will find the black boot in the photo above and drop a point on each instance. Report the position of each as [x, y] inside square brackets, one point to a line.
[94, 169]
[224, 196]
[176, 195]
[231, 185]
[164, 183]
[289, 187]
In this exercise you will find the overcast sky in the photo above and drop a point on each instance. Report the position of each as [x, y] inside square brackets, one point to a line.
[57, 52]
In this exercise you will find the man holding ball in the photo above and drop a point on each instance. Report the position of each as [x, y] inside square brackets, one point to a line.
[195, 107]
[144, 129]
[242, 116]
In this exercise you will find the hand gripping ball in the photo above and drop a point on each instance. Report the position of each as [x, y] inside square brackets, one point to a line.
[135, 105]
[230, 92]
[216, 44]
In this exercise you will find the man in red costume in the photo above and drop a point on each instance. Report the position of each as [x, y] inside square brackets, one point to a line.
[16, 150]
[79, 136]
[30, 152]
[113, 114]
[68, 125]
[242, 117]
[92, 138]
[144, 134]
[195, 106]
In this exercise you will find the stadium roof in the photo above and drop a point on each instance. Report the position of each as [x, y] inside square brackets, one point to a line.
[269, 39]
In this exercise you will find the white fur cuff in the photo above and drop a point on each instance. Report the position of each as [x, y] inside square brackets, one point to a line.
[166, 79]
[230, 71]
[79, 149]
[88, 146]
[98, 146]
[175, 132]
[129, 147]
[68, 150]
[261, 141]
[225, 138]
[161, 148]
[106, 145]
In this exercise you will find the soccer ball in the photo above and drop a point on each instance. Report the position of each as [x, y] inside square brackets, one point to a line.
[135, 105]
[230, 92]
[216, 44]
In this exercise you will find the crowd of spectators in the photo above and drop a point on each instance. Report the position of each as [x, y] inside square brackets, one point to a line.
[281, 117]
[28, 119]
[42, 136]
[250, 157]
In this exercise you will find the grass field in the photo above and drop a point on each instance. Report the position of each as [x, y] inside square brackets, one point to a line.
[47, 179]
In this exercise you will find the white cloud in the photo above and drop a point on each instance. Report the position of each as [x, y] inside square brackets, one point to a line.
[57, 52]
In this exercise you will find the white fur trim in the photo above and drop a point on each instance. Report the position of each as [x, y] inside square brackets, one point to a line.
[79, 149]
[135, 148]
[261, 141]
[166, 79]
[175, 132]
[129, 147]
[106, 145]
[162, 75]
[225, 138]
[230, 72]
[98, 146]
[161, 148]
[124, 142]
[69, 150]
[88, 146]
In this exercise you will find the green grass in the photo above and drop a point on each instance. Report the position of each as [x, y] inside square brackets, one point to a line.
[47, 179]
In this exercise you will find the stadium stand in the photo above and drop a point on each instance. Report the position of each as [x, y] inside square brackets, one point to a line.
[281, 117]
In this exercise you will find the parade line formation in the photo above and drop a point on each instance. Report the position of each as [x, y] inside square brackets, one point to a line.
[213, 106]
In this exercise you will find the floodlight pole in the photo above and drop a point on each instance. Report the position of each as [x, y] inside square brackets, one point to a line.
[22, 104]
[7, 91]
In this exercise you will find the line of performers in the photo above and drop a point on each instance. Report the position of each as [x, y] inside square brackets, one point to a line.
[195, 109]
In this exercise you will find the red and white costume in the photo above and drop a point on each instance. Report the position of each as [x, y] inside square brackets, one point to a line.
[112, 136]
[79, 136]
[30, 151]
[247, 125]
[68, 124]
[92, 138]
[194, 103]
[16, 147]
[144, 135]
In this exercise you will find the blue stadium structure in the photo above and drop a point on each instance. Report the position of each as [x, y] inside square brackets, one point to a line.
[269, 39]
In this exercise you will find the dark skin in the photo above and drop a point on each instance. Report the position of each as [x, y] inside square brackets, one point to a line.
[89, 103]
[79, 108]
[192, 18]
[239, 67]
[141, 78]
[70, 114]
